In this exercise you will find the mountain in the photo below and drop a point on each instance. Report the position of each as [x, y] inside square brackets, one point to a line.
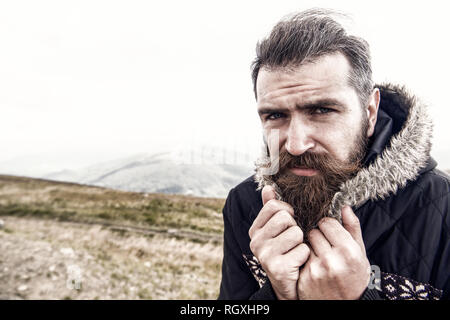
[160, 173]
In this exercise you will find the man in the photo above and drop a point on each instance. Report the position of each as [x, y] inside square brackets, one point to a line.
[355, 189]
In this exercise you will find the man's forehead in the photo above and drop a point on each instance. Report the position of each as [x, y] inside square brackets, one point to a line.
[326, 72]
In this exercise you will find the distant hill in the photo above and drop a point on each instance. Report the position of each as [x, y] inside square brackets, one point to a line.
[160, 173]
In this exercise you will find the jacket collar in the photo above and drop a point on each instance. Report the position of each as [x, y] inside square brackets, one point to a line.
[399, 151]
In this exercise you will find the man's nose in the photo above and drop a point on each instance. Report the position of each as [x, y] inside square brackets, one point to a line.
[299, 138]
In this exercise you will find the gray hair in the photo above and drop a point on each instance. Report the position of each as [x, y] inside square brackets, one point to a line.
[308, 35]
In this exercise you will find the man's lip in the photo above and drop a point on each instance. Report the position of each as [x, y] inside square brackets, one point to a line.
[306, 172]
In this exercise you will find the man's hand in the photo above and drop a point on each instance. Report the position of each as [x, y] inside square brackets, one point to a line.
[337, 267]
[277, 242]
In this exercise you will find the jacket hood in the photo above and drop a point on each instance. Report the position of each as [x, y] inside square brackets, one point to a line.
[398, 151]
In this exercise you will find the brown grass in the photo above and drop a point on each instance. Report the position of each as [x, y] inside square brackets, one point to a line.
[45, 220]
[37, 253]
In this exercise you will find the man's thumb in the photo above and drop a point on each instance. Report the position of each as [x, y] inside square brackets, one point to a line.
[351, 223]
[268, 193]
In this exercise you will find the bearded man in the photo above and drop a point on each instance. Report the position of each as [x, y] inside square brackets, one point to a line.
[354, 188]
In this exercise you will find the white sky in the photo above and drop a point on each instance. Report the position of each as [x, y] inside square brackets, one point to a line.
[87, 81]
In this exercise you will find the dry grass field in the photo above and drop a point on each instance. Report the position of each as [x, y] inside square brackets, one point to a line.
[69, 241]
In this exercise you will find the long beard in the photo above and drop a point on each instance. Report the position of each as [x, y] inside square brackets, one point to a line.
[311, 196]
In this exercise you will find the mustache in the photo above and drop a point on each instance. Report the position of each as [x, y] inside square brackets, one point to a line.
[321, 162]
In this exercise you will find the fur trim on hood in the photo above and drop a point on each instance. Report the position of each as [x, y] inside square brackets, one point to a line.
[406, 153]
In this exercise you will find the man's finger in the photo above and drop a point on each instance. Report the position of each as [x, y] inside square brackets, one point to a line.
[351, 223]
[318, 242]
[287, 240]
[279, 222]
[268, 193]
[335, 233]
[267, 212]
[312, 255]
[300, 253]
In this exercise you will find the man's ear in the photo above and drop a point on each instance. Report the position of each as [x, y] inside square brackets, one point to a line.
[372, 111]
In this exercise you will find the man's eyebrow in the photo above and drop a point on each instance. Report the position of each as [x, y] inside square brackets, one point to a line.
[267, 110]
[322, 103]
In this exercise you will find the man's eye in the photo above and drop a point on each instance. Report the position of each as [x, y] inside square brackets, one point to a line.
[321, 110]
[274, 116]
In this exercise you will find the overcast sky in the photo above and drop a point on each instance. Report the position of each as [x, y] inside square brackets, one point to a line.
[87, 81]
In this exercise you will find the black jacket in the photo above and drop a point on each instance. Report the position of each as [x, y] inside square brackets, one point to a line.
[400, 198]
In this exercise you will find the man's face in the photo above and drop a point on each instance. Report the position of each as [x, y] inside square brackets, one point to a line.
[313, 107]
[323, 131]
